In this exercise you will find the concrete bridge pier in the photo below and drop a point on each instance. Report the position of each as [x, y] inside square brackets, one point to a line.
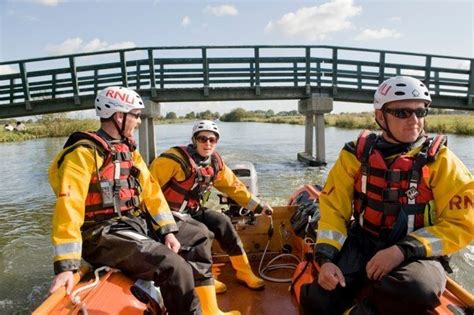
[146, 132]
[314, 109]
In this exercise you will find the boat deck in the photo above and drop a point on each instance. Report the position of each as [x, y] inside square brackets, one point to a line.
[275, 298]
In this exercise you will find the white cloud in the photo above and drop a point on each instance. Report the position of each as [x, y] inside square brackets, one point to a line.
[6, 69]
[77, 45]
[382, 33]
[316, 22]
[185, 21]
[49, 3]
[221, 10]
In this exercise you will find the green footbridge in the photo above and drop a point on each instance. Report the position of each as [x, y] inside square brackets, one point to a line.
[314, 75]
[220, 73]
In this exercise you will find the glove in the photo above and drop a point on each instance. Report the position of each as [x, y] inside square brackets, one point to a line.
[267, 209]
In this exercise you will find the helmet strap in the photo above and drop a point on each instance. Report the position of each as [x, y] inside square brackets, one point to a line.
[120, 129]
[124, 122]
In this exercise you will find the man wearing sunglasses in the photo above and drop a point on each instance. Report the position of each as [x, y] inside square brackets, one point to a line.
[411, 199]
[110, 211]
[186, 175]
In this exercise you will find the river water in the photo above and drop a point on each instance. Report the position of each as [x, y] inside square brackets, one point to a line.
[26, 200]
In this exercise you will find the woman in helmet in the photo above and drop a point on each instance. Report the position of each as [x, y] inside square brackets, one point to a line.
[105, 198]
[186, 174]
[411, 198]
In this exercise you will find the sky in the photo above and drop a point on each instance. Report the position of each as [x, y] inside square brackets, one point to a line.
[40, 28]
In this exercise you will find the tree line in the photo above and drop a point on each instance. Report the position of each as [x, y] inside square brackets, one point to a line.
[235, 115]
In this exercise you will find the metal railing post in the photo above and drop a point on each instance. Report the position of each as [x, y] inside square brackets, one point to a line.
[359, 76]
[53, 87]
[25, 85]
[96, 81]
[308, 70]
[75, 84]
[427, 72]
[205, 71]
[12, 91]
[123, 67]
[151, 69]
[334, 71]
[257, 70]
[470, 89]
[295, 74]
[252, 75]
[381, 67]
[137, 82]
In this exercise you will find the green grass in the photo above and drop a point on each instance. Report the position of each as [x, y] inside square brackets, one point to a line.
[58, 125]
[446, 124]
[49, 127]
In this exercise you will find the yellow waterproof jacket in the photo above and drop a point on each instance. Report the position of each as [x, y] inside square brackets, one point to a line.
[164, 169]
[70, 182]
[453, 190]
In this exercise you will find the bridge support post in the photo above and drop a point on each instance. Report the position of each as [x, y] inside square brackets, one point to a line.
[146, 131]
[314, 109]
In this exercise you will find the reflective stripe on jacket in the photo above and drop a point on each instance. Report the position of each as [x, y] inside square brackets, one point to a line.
[452, 188]
[70, 175]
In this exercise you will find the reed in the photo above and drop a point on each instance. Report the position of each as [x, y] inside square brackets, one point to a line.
[460, 124]
[54, 125]
[58, 125]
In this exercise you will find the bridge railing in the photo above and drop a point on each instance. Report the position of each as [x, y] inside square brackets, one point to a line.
[23, 82]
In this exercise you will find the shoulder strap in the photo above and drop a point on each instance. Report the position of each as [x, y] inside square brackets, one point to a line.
[365, 144]
[350, 147]
[435, 146]
[84, 139]
[217, 162]
[87, 135]
[428, 153]
[183, 159]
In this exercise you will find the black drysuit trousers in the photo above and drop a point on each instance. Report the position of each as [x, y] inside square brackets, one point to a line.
[128, 245]
[412, 288]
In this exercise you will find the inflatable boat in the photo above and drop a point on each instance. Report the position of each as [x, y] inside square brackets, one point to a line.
[276, 246]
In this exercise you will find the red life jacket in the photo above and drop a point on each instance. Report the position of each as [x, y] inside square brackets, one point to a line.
[392, 196]
[187, 194]
[114, 188]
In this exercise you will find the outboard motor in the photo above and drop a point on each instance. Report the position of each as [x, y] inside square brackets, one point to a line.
[247, 174]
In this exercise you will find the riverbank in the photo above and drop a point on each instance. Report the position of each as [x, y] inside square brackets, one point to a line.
[52, 126]
[444, 124]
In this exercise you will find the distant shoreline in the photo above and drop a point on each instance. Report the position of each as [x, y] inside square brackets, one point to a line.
[442, 124]
[52, 126]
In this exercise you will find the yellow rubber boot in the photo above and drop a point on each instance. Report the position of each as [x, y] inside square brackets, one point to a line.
[220, 286]
[244, 272]
[207, 297]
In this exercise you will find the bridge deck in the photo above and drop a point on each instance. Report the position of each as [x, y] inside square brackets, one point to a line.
[209, 73]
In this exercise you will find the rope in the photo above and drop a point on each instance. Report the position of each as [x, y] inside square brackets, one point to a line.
[243, 212]
[270, 265]
[76, 299]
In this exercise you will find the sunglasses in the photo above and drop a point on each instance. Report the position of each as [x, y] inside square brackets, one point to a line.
[405, 113]
[204, 139]
[136, 115]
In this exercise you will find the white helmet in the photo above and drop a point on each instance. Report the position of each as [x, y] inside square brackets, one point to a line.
[114, 99]
[206, 125]
[401, 88]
